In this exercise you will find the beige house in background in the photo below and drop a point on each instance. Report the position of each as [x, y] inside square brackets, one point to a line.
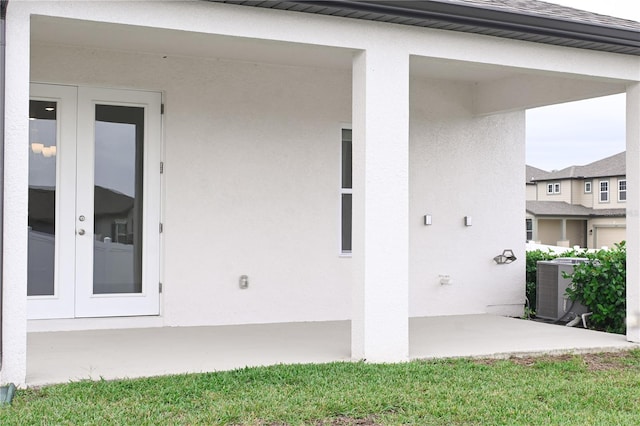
[578, 206]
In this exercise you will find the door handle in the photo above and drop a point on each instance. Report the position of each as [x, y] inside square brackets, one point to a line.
[80, 231]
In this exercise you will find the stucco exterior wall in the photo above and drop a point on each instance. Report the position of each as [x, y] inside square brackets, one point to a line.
[251, 186]
[251, 183]
[474, 184]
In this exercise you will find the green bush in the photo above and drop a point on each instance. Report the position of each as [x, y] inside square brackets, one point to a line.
[600, 285]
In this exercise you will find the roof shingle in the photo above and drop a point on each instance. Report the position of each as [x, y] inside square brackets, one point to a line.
[561, 208]
[614, 165]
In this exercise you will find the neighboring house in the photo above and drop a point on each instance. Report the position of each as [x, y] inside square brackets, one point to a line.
[578, 206]
[342, 155]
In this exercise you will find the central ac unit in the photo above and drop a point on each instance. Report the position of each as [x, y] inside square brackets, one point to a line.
[552, 301]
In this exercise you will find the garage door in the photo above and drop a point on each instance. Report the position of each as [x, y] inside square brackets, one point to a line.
[609, 236]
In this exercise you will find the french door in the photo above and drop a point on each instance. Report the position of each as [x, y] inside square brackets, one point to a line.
[94, 202]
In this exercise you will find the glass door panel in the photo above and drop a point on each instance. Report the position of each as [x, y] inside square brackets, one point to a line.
[52, 158]
[43, 130]
[118, 179]
[117, 203]
[94, 202]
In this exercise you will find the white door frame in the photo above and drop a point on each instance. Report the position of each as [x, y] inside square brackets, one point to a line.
[61, 303]
[74, 252]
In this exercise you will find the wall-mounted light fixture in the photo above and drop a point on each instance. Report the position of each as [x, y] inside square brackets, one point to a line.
[507, 256]
[243, 282]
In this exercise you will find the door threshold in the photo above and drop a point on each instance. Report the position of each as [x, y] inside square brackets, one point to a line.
[77, 324]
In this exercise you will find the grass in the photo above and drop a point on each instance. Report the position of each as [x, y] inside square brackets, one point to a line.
[601, 389]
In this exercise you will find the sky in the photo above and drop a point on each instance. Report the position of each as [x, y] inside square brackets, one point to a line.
[578, 133]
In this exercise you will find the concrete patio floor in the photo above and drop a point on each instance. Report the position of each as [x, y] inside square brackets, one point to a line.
[58, 357]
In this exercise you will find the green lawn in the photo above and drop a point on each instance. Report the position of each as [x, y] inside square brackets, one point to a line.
[568, 390]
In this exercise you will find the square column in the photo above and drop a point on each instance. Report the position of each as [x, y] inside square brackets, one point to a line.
[16, 183]
[633, 212]
[380, 321]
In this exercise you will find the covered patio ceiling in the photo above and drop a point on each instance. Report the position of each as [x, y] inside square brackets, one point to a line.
[498, 88]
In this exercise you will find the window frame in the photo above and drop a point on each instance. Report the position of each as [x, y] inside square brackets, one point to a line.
[622, 191]
[345, 190]
[553, 188]
[589, 186]
[529, 228]
[601, 192]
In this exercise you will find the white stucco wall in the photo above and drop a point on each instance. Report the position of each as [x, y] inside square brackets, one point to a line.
[251, 183]
[459, 168]
[252, 157]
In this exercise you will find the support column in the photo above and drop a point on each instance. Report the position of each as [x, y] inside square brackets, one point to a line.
[380, 321]
[633, 212]
[16, 182]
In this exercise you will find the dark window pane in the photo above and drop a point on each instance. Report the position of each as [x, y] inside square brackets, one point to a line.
[42, 198]
[346, 159]
[346, 222]
[119, 137]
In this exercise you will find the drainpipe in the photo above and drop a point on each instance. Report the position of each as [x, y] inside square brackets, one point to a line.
[3, 15]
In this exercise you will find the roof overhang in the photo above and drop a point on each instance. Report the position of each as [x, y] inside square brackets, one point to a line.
[470, 18]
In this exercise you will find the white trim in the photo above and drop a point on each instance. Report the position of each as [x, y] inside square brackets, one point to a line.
[147, 302]
[620, 191]
[590, 187]
[61, 304]
[553, 188]
[75, 120]
[600, 191]
[344, 191]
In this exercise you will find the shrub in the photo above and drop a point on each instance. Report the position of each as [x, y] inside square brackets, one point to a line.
[600, 285]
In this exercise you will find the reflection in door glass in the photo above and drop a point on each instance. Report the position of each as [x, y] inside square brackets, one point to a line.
[42, 198]
[117, 257]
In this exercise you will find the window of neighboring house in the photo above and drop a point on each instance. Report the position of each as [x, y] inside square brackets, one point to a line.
[553, 188]
[604, 191]
[622, 190]
[346, 192]
[587, 187]
[529, 229]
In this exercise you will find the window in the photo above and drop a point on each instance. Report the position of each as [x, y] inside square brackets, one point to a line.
[604, 191]
[553, 188]
[346, 192]
[587, 187]
[529, 229]
[622, 190]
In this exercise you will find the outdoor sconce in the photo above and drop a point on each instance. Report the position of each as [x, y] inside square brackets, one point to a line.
[507, 256]
[243, 282]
